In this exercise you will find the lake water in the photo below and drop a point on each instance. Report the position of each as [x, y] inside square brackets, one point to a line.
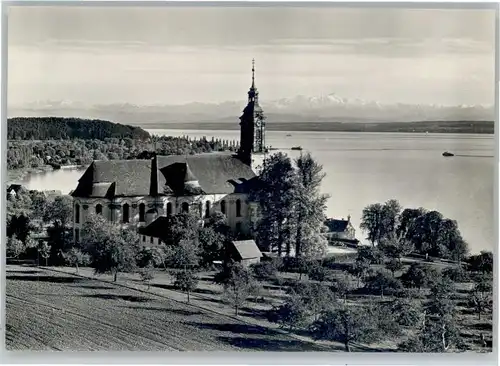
[365, 168]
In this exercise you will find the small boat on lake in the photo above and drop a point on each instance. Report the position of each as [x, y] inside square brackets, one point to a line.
[446, 153]
[297, 148]
[288, 135]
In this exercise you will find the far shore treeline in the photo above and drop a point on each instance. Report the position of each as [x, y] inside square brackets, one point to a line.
[34, 143]
[44, 128]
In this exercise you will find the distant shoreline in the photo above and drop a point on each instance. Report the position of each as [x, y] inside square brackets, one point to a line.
[472, 127]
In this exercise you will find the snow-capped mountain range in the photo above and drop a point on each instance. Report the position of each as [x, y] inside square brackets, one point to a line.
[325, 108]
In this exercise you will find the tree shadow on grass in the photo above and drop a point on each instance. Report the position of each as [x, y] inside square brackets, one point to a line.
[28, 272]
[205, 291]
[118, 297]
[168, 310]
[485, 327]
[235, 328]
[50, 279]
[173, 288]
[94, 287]
[270, 345]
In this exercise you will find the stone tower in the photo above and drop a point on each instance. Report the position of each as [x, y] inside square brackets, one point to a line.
[252, 125]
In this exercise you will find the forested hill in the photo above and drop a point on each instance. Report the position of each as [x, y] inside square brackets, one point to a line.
[49, 128]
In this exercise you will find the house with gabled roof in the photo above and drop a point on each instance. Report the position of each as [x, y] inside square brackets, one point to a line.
[340, 232]
[245, 252]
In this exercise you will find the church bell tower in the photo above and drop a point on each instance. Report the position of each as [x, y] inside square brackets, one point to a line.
[252, 125]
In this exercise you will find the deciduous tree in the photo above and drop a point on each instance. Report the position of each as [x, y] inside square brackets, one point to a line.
[186, 281]
[310, 208]
[239, 285]
[276, 195]
[346, 324]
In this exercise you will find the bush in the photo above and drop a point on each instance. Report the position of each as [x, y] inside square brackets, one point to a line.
[456, 274]
[317, 273]
[291, 314]
[264, 270]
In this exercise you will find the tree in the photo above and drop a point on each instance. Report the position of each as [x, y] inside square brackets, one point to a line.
[390, 216]
[380, 220]
[370, 254]
[360, 269]
[239, 285]
[316, 297]
[211, 246]
[217, 221]
[276, 195]
[407, 312]
[395, 246]
[186, 281]
[482, 262]
[19, 226]
[343, 285]
[59, 212]
[406, 221]
[44, 251]
[346, 324]
[455, 273]
[372, 222]
[481, 297]
[310, 207]
[76, 257]
[317, 273]
[480, 302]
[291, 314]
[264, 270]
[438, 331]
[15, 247]
[112, 249]
[381, 282]
[419, 275]
[185, 254]
[394, 265]
[181, 227]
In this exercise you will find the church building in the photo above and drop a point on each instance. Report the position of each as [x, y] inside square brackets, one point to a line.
[141, 193]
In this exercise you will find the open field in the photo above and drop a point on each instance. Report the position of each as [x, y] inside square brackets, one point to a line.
[48, 311]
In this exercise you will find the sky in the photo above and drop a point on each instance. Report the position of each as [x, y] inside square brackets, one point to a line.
[177, 55]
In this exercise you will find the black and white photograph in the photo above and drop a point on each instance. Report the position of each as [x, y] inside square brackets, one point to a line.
[252, 177]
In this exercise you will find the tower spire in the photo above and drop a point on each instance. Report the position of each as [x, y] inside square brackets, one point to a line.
[253, 73]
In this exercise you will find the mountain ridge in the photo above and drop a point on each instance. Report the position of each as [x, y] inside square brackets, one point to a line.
[322, 108]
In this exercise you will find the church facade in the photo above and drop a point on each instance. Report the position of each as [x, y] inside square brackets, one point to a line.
[137, 193]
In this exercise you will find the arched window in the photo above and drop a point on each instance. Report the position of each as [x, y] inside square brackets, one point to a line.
[200, 209]
[169, 209]
[98, 209]
[126, 213]
[142, 212]
[185, 207]
[223, 207]
[238, 208]
[77, 213]
[207, 209]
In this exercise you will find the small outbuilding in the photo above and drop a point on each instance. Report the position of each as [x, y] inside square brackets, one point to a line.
[245, 252]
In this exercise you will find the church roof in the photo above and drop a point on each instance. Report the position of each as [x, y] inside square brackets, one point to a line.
[221, 173]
